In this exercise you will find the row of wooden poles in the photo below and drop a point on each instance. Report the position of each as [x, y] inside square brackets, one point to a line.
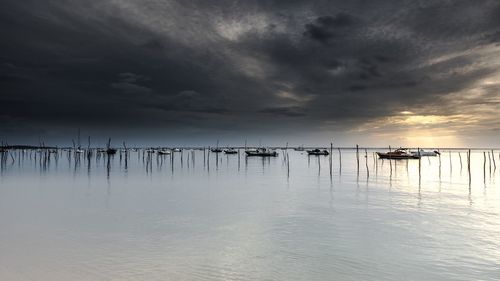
[45, 156]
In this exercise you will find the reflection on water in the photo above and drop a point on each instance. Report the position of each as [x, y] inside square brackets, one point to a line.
[198, 215]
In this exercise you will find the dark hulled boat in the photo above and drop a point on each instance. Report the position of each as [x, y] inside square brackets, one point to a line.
[397, 154]
[263, 152]
[109, 149]
[318, 152]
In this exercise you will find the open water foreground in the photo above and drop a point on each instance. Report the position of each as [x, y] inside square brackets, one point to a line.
[231, 217]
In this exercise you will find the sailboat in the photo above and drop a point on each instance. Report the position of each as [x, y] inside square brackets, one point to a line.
[216, 149]
[79, 148]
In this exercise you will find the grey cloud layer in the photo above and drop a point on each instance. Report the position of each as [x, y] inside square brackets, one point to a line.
[243, 64]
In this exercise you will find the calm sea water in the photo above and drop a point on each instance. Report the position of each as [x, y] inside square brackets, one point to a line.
[229, 217]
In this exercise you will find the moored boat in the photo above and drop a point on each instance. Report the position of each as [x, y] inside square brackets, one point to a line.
[216, 150]
[163, 152]
[230, 151]
[318, 152]
[109, 149]
[263, 152]
[300, 148]
[422, 152]
[397, 154]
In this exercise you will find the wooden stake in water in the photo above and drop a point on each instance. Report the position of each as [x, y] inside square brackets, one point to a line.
[489, 161]
[331, 164]
[439, 156]
[484, 166]
[493, 158]
[419, 168]
[451, 165]
[319, 165]
[287, 157]
[340, 161]
[366, 164]
[460, 156]
[390, 161]
[468, 167]
[357, 158]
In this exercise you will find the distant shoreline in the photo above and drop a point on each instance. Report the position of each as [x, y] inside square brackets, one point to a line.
[251, 147]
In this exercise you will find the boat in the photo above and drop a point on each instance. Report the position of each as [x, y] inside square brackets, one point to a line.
[318, 152]
[300, 148]
[216, 149]
[79, 150]
[230, 151]
[109, 149]
[263, 152]
[163, 152]
[422, 152]
[150, 150]
[176, 150]
[397, 154]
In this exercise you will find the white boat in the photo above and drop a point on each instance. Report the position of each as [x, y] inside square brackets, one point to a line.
[230, 151]
[176, 150]
[163, 152]
[422, 152]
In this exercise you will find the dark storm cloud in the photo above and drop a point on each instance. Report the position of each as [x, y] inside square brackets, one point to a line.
[285, 111]
[198, 64]
[325, 28]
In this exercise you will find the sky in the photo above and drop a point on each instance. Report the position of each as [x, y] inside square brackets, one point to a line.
[191, 72]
